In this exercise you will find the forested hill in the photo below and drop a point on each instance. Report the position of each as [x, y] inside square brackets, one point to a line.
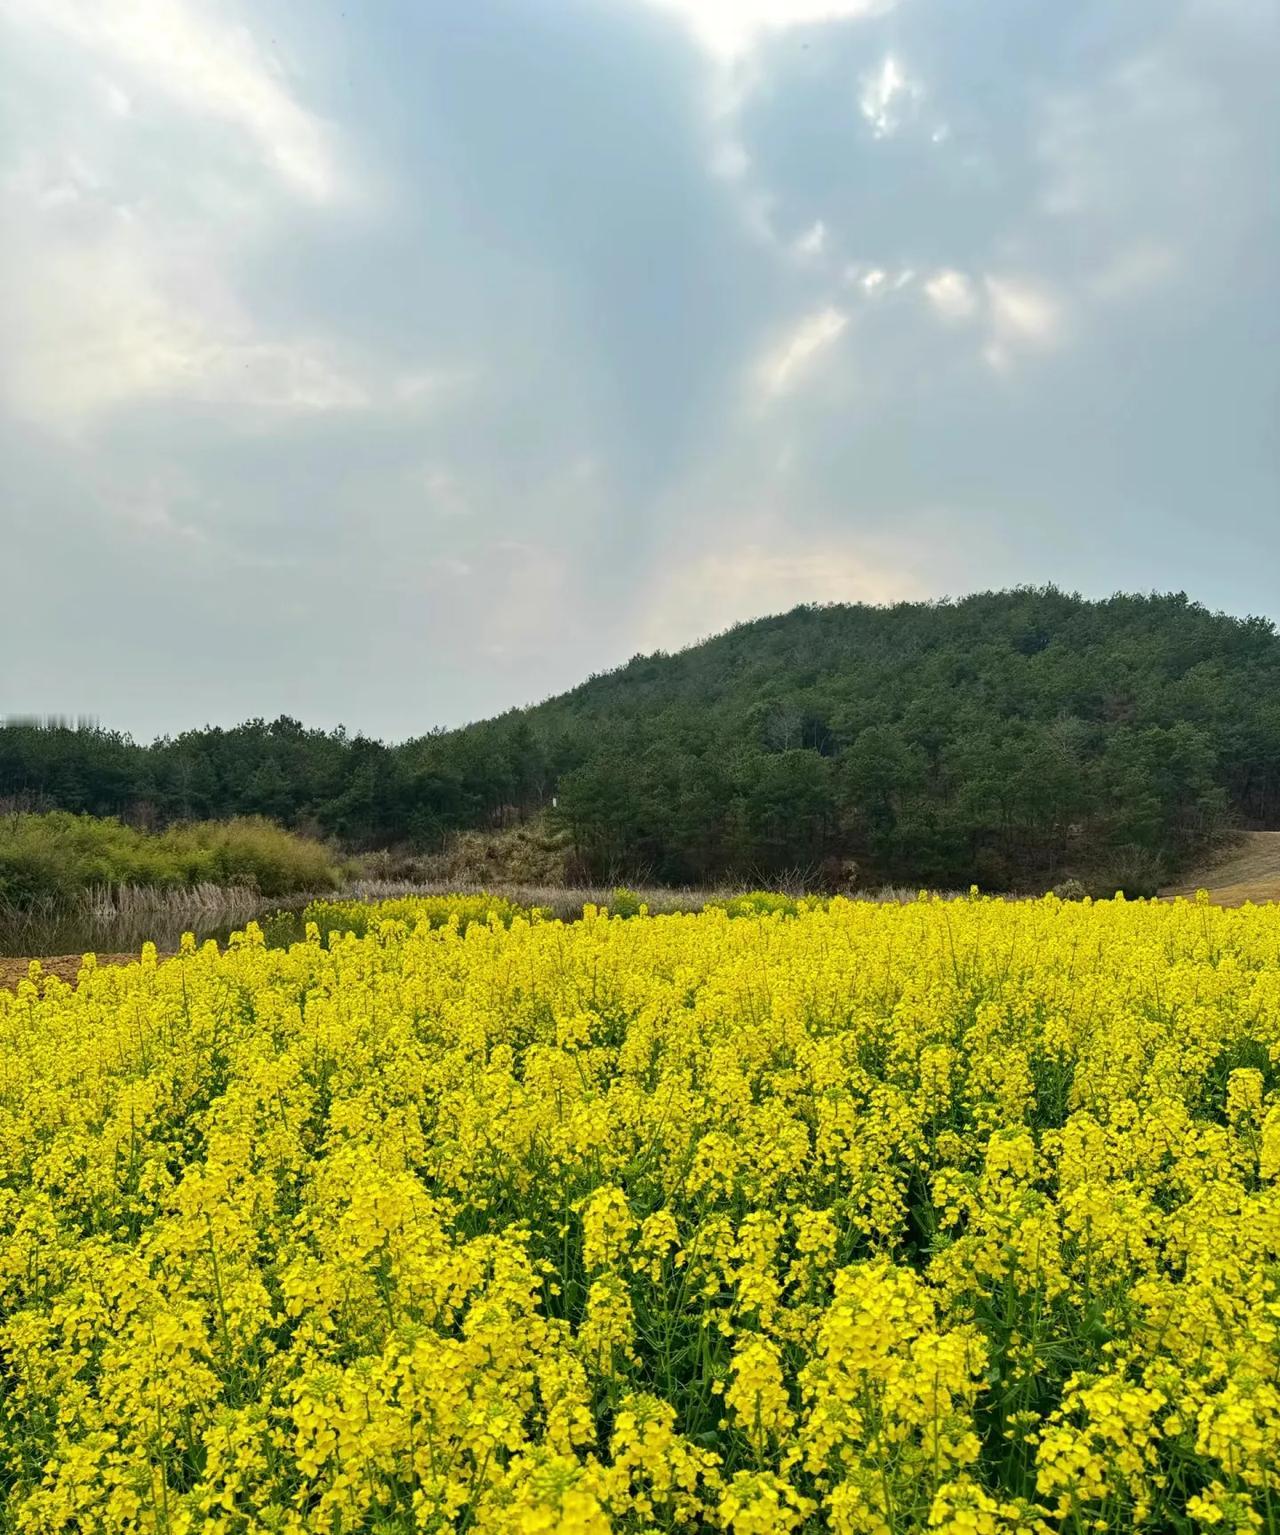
[1010, 739]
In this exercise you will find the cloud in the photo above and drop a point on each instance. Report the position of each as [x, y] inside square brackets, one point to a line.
[129, 261]
[1134, 271]
[952, 294]
[1024, 315]
[810, 245]
[871, 279]
[730, 28]
[877, 281]
[1020, 313]
[729, 160]
[119, 320]
[151, 514]
[119, 313]
[203, 62]
[791, 359]
[887, 97]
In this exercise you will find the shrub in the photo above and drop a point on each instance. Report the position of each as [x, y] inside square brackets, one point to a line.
[280, 929]
[1133, 871]
[252, 850]
[625, 903]
[57, 856]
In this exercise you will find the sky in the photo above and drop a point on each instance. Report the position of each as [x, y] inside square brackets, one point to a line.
[397, 363]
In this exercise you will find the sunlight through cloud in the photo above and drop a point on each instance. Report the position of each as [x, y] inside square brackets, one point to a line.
[731, 28]
[787, 364]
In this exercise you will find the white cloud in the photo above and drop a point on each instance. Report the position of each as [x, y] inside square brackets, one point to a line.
[150, 513]
[1019, 313]
[1021, 310]
[788, 362]
[447, 496]
[422, 386]
[810, 245]
[1134, 270]
[875, 281]
[125, 267]
[449, 568]
[1024, 315]
[729, 160]
[114, 314]
[118, 102]
[952, 294]
[203, 62]
[730, 28]
[887, 96]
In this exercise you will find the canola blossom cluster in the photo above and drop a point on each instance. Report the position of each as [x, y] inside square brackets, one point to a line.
[956, 1216]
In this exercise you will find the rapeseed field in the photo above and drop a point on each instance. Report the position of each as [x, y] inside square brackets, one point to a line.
[955, 1216]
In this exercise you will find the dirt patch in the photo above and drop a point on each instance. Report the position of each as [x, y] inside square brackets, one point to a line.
[65, 966]
[1248, 871]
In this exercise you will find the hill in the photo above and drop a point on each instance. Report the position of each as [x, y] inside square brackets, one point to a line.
[1010, 739]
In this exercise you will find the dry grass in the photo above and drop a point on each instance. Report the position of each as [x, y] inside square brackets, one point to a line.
[1248, 870]
[531, 853]
[121, 917]
[567, 901]
[564, 901]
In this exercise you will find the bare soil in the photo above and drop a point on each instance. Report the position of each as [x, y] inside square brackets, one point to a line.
[65, 966]
[1247, 871]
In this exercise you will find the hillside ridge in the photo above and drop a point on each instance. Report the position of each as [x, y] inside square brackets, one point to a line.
[1009, 739]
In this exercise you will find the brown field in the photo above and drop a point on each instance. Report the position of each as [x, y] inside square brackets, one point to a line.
[65, 966]
[1248, 871]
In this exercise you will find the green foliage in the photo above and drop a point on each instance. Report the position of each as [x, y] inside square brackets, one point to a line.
[53, 857]
[625, 903]
[1011, 739]
[280, 929]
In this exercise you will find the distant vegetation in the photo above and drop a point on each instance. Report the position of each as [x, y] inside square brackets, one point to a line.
[1010, 739]
[55, 857]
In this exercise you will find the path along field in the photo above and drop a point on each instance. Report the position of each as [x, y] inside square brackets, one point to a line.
[958, 1216]
[1250, 871]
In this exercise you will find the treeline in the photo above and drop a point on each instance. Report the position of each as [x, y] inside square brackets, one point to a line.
[1012, 739]
[361, 792]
